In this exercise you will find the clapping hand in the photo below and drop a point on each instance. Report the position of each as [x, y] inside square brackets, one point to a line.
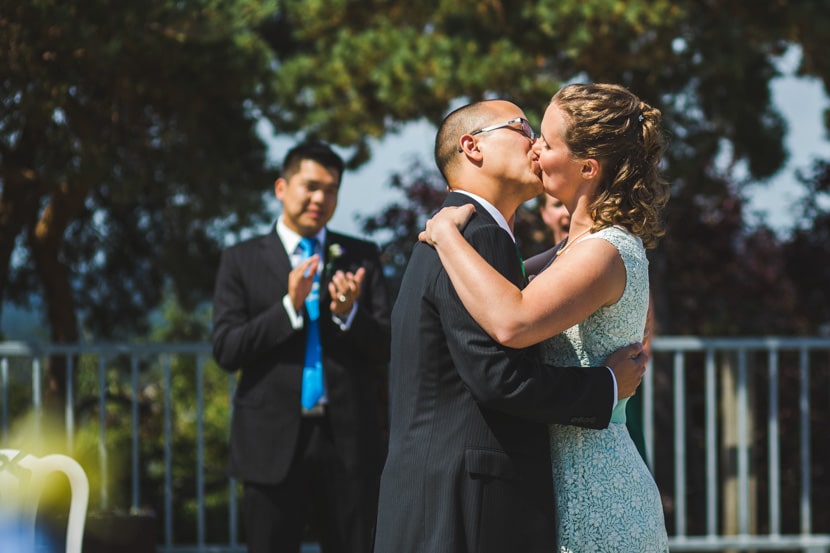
[301, 279]
[345, 289]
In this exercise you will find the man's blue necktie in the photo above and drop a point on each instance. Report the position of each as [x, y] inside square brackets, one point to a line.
[313, 384]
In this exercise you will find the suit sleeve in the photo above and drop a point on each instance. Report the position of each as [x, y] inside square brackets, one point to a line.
[249, 320]
[534, 265]
[370, 330]
[512, 380]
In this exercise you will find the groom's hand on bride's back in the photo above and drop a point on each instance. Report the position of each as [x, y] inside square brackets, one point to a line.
[629, 366]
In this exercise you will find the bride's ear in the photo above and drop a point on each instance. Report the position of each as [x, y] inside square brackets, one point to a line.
[590, 168]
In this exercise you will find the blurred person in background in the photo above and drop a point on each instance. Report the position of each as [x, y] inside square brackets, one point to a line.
[302, 313]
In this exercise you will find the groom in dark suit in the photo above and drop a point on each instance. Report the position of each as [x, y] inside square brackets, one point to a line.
[303, 313]
[468, 468]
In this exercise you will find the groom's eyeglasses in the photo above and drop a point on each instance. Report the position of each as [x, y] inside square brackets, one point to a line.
[525, 128]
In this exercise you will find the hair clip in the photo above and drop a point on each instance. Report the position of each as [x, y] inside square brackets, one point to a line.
[640, 118]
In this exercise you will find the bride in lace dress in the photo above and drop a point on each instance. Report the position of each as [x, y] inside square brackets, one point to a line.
[598, 153]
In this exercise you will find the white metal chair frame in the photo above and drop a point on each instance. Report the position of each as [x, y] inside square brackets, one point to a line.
[22, 481]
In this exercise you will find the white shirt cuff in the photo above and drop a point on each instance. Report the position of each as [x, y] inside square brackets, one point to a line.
[616, 391]
[296, 320]
[345, 324]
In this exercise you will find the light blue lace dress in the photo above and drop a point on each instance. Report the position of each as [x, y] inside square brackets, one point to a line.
[606, 498]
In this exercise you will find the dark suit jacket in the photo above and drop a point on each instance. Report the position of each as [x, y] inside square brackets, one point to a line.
[468, 467]
[253, 334]
[541, 261]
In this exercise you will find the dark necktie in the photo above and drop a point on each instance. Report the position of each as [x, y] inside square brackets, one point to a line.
[313, 383]
[521, 260]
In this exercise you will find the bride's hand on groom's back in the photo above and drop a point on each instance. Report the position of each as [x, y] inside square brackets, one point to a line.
[629, 366]
[448, 219]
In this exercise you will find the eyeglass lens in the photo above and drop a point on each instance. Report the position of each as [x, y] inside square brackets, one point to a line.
[527, 130]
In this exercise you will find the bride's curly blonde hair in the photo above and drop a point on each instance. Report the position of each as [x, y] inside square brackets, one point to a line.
[608, 123]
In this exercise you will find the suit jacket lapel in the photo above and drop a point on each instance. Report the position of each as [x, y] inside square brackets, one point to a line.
[330, 265]
[275, 258]
[327, 270]
[554, 252]
[457, 199]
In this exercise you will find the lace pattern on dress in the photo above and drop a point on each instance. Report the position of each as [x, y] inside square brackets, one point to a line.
[606, 498]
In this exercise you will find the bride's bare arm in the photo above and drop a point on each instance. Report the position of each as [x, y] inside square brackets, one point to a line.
[591, 274]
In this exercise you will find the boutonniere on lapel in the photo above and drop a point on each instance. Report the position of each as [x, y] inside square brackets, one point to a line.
[334, 253]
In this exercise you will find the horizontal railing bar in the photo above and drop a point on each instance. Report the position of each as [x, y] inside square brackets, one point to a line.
[767, 542]
[304, 548]
[35, 350]
[659, 343]
[694, 343]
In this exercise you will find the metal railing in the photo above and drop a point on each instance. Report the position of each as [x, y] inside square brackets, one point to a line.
[149, 423]
[736, 385]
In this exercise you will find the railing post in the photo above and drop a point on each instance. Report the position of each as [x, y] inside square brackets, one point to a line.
[647, 389]
[804, 409]
[102, 431]
[744, 428]
[37, 399]
[729, 445]
[711, 445]
[200, 450]
[774, 449]
[69, 407]
[233, 514]
[168, 452]
[4, 384]
[680, 443]
[136, 501]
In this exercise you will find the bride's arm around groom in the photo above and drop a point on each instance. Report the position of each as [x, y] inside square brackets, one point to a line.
[468, 467]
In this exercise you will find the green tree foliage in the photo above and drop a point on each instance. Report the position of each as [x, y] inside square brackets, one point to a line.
[807, 254]
[129, 148]
[129, 152]
[708, 66]
[422, 196]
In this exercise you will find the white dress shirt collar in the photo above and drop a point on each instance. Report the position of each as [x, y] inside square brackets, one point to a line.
[491, 209]
[290, 239]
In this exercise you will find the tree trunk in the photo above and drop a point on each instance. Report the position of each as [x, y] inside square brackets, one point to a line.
[18, 204]
[46, 243]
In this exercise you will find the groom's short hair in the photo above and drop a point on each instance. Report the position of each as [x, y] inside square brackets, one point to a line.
[457, 123]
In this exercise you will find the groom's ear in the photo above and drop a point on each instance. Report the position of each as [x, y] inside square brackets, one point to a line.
[468, 145]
